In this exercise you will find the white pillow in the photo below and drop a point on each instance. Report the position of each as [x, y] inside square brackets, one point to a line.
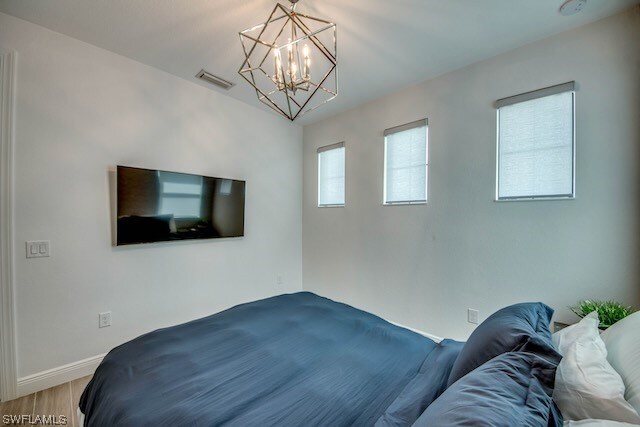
[623, 344]
[596, 423]
[587, 386]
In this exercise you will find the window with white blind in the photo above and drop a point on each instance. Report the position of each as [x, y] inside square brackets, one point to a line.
[406, 163]
[331, 175]
[536, 144]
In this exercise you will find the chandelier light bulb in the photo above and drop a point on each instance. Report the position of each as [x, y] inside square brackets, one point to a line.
[307, 63]
[277, 62]
[290, 62]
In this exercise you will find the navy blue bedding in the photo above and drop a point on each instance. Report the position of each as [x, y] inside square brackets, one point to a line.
[290, 360]
[523, 327]
[424, 388]
[512, 389]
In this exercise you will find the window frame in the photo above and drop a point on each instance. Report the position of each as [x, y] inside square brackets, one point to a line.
[319, 151]
[397, 129]
[529, 96]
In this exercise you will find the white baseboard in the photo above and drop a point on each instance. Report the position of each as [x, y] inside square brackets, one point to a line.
[418, 331]
[56, 376]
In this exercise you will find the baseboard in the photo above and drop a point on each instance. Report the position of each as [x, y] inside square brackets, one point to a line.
[56, 376]
[418, 331]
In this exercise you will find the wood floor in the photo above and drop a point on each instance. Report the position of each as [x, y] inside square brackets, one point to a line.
[59, 400]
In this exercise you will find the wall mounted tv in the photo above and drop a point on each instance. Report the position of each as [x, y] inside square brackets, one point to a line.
[158, 206]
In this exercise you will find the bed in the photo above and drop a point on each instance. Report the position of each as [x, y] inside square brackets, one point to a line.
[301, 359]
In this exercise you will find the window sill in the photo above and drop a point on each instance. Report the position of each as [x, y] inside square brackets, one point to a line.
[417, 202]
[535, 198]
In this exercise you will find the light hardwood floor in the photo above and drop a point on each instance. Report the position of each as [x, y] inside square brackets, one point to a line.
[59, 400]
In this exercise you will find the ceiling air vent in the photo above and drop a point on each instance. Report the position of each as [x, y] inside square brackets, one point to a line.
[218, 81]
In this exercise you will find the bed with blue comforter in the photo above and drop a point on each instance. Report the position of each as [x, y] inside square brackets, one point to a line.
[290, 360]
[304, 360]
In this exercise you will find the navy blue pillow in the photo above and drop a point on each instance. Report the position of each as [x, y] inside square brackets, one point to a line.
[523, 326]
[424, 388]
[513, 389]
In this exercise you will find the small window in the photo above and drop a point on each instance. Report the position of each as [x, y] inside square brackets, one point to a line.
[536, 144]
[331, 175]
[405, 164]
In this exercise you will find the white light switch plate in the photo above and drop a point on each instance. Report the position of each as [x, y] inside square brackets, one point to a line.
[38, 248]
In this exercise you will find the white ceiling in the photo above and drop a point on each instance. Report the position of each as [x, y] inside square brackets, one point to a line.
[384, 45]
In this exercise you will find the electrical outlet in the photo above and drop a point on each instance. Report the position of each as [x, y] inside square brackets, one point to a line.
[472, 316]
[104, 319]
[279, 279]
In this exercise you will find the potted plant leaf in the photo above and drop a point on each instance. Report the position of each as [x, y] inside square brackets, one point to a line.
[609, 312]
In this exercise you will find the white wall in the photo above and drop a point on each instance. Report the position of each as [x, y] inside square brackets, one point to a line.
[423, 266]
[80, 111]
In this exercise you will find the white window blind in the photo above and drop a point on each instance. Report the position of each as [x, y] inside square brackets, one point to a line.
[405, 163]
[536, 144]
[331, 175]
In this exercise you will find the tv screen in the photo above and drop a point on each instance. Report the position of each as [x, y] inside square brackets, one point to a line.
[157, 206]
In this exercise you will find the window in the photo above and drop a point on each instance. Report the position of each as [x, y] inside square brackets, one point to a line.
[405, 164]
[536, 144]
[331, 175]
[181, 194]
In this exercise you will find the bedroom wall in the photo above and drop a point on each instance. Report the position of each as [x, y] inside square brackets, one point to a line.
[80, 111]
[423, 266]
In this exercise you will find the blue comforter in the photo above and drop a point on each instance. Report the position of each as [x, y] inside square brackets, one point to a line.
[290, 360]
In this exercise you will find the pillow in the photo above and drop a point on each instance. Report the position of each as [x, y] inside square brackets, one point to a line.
[512, 328]
[512, 389]
[424, 388]
[586, 385]
[597, 423]
[623, 345]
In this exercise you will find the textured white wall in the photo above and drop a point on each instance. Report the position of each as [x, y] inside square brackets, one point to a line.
[80, 111]
[424, 265]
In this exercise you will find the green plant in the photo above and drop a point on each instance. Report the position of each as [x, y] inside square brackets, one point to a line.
[609, 312]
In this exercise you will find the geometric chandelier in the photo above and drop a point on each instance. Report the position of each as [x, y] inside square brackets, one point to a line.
[290, 60]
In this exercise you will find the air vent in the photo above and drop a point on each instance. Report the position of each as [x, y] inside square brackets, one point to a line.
[215, 80]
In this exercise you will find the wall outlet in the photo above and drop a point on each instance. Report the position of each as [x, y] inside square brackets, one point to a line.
[104, 319]
[279, 279]
[472, 316]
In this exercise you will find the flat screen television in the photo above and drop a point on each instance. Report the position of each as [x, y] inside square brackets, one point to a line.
[157, 206]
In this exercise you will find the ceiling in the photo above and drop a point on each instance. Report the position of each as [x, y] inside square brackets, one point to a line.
[383, 45]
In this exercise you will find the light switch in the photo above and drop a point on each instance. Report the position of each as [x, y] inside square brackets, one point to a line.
[38, 248]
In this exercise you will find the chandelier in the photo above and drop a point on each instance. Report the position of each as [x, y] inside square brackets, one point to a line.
[290, 60]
